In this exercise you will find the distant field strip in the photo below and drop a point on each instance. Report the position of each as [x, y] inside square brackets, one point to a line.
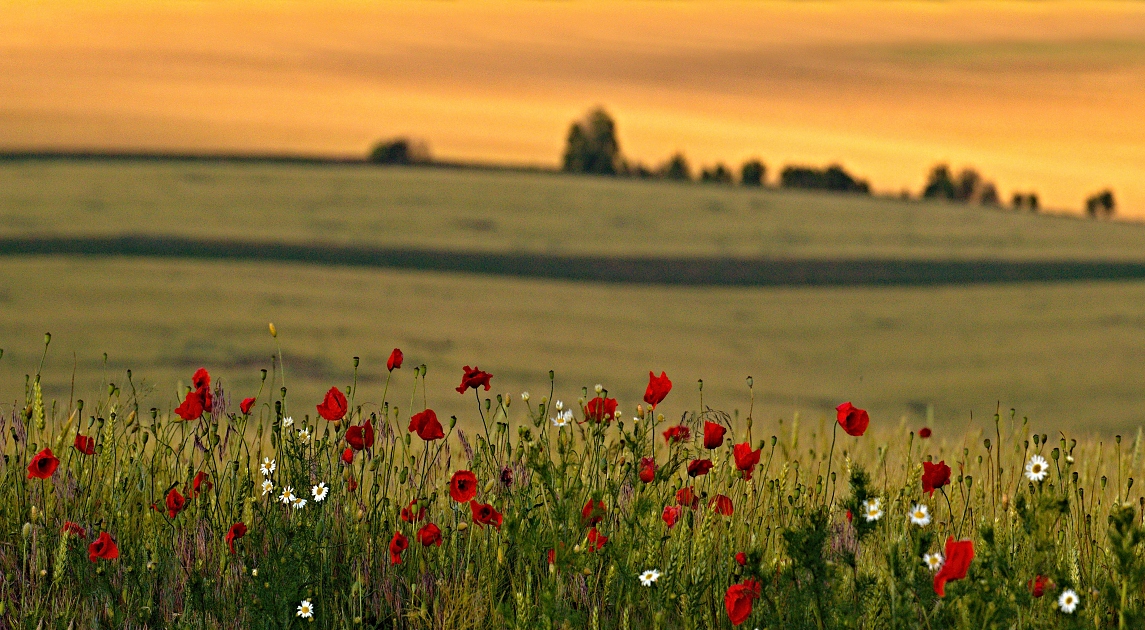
[696, 271]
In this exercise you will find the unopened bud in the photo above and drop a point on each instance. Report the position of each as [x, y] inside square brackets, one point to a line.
[273, 330]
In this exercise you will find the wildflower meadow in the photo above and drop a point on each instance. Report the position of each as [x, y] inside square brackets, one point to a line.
[549, 509]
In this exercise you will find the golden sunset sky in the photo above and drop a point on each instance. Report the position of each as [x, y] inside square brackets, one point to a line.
[1044, 96]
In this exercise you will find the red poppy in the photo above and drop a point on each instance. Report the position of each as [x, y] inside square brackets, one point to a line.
[596, 540]
[463, 486]
[73, 528]
[647, 469]
[473, 377]
[658, 388]
[671, 514]
[175, 502]
[592, 514]
[238, 530]
[192, 406]
[333, 406]
[698, 467]
[395, 360]
[552, 556]
[746, 459]
[348, 456]
[600, 409]
[43, 464]
[353, 484]
[741, 558]
[245, 405]
[412, 513]
[103, 547]
[1038, 585]
[850, 516]
[687, 498]
[934, 476]
[485, 514]
[678, 433]
[361, 436]
[853, 420]
[924, 432]
[197, 483]
[201, 379]
[958, 557]
[722, 505]
[738, 600]
[84, 444]
[426, 425]
[429, 535]
[713, 435]
[398, 544]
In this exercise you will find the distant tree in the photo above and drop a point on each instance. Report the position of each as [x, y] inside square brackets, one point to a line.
[676, 168]
[752, 173]
[718, 174]
[939, 184]
[400, 151]
[1018, 201]
[967, 185]
[592, 146]
[1101, 204]
[1032, 202]
[988, 195]
[833, 178]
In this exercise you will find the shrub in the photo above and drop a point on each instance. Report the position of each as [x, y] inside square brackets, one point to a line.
[833, 178]
[400, 151]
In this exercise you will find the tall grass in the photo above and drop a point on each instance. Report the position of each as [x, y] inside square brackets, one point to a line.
[565, 521]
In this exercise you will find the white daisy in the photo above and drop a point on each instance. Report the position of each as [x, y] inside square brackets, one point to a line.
[649, 576]
[1037, 468]
[304, 435]
[559, 405]
[254, 572]
[920, 515]
[306, 609]
[267, 487]
[268, 467]
[287, 495]
[298, 503]
[319, 491]
[562, 419]
[1068, 601]
[599, 388]
[933, 561]
[525, 396]
[872, 509]
[287, 421]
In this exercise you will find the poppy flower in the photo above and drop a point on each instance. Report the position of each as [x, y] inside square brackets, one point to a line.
[552, 556]
[352, 484]
[485, 514]
[678, 433]
[395, 360]
[84, 444]
[192, 406]
[738, 600]
[238, 530]
[596, 540]
[687, 498]
[853, 420]
[934, 476]
[1038, 585]
[103, 547]
[361, 437]
[924, 432]
[398, 544]
[600, 409]
[746, 459]
[429, 535]
[592, 514]
[201, 379]
[463, 486]
[647, 469]
[671, 514]
[698, 467]
[473, 377]
[333, 406]
[348, 456]
[197, 483]
[722, 505]
[426, 425]
[175, 502]
[73, 528]
[412, 513]
[43, 464]
[658, 388]
[850, 517]
[713, 435]
[246, 405]
[741, 558]
[958, 557]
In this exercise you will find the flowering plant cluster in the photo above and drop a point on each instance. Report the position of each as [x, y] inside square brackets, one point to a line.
[596, 514]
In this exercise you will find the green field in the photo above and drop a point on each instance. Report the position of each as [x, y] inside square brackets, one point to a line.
[1066, 355]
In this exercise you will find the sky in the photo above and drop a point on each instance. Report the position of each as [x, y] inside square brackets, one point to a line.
[1038, 96]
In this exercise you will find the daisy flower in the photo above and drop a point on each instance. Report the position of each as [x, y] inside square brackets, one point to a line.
[559, 405]
[933, 561]
[1068, 601]
[562, 419]
[298, 503]
[525, 396]
[319, 491]
[872, 509]
[304, 435]
[599, 388]
[1037, 468]
[267, 487]
[287, 421]
[254, 572]
[649, 576]
[306, 609]
[287, 495]
[268, 467]
[920, 515]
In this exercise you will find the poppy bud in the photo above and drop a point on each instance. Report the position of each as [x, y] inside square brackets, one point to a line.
[273, 330]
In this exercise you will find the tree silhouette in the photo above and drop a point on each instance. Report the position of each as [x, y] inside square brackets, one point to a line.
[752, 173]
[592, 146]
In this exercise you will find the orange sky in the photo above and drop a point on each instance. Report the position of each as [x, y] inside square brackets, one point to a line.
[1046, 96]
